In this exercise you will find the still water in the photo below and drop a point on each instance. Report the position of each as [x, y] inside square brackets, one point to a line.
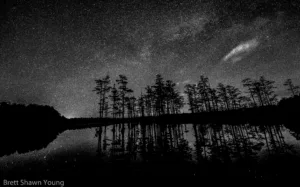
[175, 149]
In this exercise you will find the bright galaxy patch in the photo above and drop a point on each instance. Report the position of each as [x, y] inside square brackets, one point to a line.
[241, 50]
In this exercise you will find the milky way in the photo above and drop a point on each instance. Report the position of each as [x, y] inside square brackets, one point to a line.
[50, 53]
[244, 47]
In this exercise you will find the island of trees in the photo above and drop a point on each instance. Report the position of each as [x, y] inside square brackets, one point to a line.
[163, 98]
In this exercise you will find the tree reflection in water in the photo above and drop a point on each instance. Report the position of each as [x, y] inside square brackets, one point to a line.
[196, 149]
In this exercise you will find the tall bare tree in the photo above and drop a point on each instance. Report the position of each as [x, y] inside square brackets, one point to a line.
[233, 94]
[223, 95]
[114, 97]
[191, 92]
[150, 101]
[124, 91]
[102, 89]
[262, 89]
[248, 83]
[214, 98]
[291, 87]
[141, 105]
[203, 90]
[159, 94]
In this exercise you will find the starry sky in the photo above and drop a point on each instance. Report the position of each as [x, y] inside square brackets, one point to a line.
[52, 51]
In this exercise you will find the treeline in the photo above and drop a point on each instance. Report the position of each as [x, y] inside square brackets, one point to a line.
[202, 97]
[160, 98]
[163, 97]
[28, 127]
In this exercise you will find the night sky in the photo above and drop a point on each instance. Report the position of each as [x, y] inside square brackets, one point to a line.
[51, 52]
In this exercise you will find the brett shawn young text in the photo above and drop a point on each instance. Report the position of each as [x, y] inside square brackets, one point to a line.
[24, 182]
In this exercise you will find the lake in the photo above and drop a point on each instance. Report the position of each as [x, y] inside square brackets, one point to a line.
[255, 151]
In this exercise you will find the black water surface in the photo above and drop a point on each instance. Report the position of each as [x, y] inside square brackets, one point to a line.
[135, 149]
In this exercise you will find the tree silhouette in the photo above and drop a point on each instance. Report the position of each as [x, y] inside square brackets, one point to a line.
[244, 101]
[203, 88]
[223, 95]
[267, 88]
[177, 103]
[124, 91]
[115, 101]
[149, 101]
[164, 98]
[201, 97]
[262, 89]
[161, 98]
[141, 105]
[214, 98]
[28, 127]
[191, 92]
[233, 95]
[291, 87]
[173, 100]
[102, 88]
[159, 94]
[170, 95]
[131, 106]
[248, 83]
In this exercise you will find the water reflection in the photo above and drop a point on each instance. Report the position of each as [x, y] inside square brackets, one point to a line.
[205, 145]
[163, 149]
